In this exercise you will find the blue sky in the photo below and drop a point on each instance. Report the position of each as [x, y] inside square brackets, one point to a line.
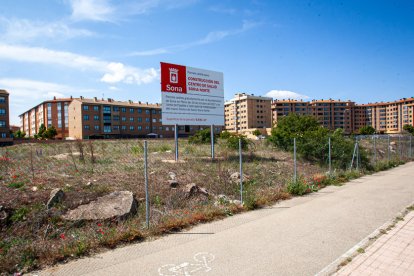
[361, 50]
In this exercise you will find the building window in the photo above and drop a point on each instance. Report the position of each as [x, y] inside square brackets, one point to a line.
[3, 135]
[66, 111]
[131, 127]
[86, 127]
[147, 120]
[154, 111]
[2, 123]
[116, 108]
[2, 99]
[96, 108]
[116, 118]
[147, 111]
[96, 118]
[123, 127]
[116, 127]
[139, 110]
[2, 111]
[59, 110]
[123, 109]
[154, 120]
[147, 128]
[107, 109]
[107, 129]
[154, 128]
[139, 119]
[96, 127]
[123, 119]
[86, 117]
[86, 107]
[131, 119]
[139, 127]
[131, 110]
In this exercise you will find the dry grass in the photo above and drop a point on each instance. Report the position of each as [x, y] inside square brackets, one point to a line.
[34, 237]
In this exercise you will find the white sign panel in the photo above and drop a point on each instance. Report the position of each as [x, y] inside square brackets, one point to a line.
[191, 96]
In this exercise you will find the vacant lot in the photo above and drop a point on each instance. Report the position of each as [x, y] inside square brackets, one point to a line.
[32, 236]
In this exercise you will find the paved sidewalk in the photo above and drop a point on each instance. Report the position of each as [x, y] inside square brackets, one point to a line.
[391, 254]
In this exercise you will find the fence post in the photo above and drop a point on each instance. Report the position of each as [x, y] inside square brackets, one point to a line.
[375, 150]
[357, 155]
[241, 170]
[294, 161]
[212, 141]
[389, 150]
[146, 183]
[399, 147]
[329, 156]
[176, 141]
[353, 156]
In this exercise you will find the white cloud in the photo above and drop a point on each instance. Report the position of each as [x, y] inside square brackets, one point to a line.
[94, 10]
[211, 37]
[108, 11]
[24, 92]
[284, 94]
[26, 30]
[114, 72]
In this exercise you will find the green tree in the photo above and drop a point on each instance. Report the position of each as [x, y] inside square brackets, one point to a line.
[409, 129]
[50, 133]
[367, 130]
[312, 141]
[256, 132]
[292, 126]
[19, 134]
[42, 130]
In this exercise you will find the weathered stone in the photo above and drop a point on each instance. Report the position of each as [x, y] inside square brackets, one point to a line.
[3, 215]
[235, 177]
[117, 204]
[56, 196]
[172, 176]
[192, 190]
[173, 183]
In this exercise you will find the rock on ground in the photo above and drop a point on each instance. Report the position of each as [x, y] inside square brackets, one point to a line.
[117, 204]
[56, 196]
[192, 190]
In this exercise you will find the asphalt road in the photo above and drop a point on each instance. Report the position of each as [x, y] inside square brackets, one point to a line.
[295, 237]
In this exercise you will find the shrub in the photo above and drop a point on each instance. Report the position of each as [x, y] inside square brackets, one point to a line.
[225, 134]
[232, 142]
[202, 137]
[256, 132]
[298, 187]
[367, 130]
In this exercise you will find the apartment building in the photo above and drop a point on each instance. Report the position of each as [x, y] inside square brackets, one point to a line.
[389, 117]
[330, 113]
[247, 112]
[5, 137]
[49, 113]
[99, 118]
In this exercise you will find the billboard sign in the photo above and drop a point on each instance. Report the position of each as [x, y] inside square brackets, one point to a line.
[191, 96]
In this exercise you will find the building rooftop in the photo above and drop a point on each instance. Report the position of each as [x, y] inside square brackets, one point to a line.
[110, 101]
[2, 91]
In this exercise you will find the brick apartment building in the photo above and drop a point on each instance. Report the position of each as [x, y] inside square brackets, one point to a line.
[49, 113]
[245, 113]
[5, 137]
[389, 117]
[330, 113]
